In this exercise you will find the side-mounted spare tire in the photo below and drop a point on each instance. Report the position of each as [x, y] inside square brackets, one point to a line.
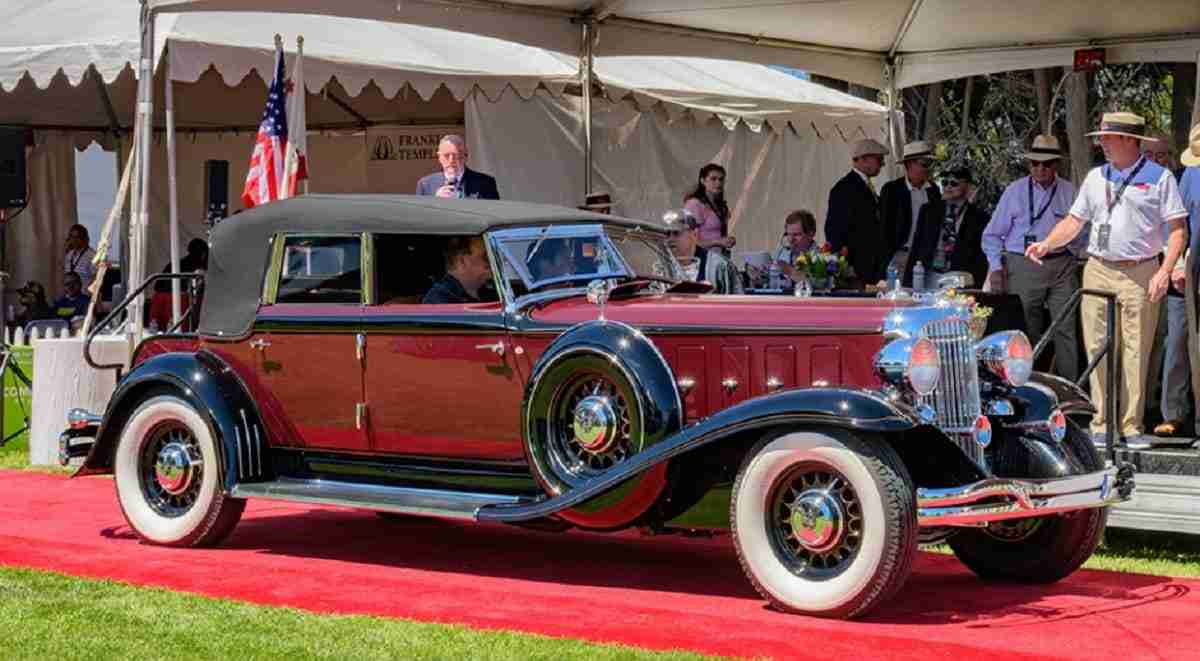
[600, 394]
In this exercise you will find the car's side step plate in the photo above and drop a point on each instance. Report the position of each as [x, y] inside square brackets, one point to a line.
[403, 500]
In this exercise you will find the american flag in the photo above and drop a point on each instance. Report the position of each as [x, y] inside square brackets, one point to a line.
[265, 180]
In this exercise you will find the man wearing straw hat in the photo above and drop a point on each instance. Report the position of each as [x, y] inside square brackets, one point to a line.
[1029, 208]
[901, 200]
[1127, 201]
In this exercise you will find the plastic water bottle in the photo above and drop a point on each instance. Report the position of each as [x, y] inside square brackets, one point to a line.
[773, 276]
[893, 276]
[919, 277]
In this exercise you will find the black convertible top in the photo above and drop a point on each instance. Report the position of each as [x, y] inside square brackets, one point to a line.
[239, 247]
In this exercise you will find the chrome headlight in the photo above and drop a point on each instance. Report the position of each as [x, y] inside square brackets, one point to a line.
[910, 363]
[1008, 355]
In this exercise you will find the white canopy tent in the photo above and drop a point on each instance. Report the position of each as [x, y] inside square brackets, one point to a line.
[856, 40]
[74, 73]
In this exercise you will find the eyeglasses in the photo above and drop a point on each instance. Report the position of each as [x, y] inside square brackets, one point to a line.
[1043, 164]
[952, 182]
[924, 162]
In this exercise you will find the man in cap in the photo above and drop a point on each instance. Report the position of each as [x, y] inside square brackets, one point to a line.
[852, 220]
[699, 264]
[901, 200]
[1127, 201]
[948, 231]
[1029, 209]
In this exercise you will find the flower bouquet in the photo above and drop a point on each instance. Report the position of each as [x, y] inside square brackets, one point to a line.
[824, 268]
[977, 315]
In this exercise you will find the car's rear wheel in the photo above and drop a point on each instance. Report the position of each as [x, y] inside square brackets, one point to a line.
[824, 523]
[167, 471]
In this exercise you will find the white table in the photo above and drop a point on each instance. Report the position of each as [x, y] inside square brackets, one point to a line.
[62, 380]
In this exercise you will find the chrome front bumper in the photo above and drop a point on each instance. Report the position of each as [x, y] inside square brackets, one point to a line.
[998, 499]
[80, 425]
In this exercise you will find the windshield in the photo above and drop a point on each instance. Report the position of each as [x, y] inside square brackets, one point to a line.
[540, 258]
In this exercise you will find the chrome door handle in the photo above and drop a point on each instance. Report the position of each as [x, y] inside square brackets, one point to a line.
[685, 385]
[773, 383]
[730, 384]
[259, 344]
[496, 348]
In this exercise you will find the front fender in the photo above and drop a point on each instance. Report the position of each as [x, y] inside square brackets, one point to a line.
[1069, 397]
[220, 398]
[839, 407]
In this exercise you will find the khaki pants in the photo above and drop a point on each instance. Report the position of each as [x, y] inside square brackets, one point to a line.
[1136, 320]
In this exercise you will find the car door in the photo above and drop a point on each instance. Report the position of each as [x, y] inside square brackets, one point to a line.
[440, 380]
[308, 334]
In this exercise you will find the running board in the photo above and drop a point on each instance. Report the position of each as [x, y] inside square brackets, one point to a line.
[402, 500]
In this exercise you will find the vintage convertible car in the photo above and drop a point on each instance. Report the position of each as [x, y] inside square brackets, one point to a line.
[598, 391]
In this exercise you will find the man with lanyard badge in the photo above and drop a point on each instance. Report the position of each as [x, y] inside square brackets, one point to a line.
[1127, 201]
[1029, 208]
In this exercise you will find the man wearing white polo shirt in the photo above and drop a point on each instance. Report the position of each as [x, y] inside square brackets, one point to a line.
[1127, 202]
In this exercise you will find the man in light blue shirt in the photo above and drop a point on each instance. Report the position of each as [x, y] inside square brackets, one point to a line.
[1029, 208]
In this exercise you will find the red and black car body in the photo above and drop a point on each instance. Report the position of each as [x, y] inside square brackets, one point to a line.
[831, 435]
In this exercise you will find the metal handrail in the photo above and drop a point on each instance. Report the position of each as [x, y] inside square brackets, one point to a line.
[120, 307]
[1108, 352]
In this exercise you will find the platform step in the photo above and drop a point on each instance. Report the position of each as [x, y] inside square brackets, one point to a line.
[402, 500]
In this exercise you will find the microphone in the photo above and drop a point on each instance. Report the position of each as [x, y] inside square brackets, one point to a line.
[452, 182]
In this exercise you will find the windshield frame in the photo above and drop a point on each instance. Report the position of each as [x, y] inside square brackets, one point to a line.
[612, 236]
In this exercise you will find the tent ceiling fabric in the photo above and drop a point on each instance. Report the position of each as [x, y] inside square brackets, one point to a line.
[381, 66]
[848, 39]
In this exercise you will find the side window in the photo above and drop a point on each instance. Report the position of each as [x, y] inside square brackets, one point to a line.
[407, 265]
[321, 269]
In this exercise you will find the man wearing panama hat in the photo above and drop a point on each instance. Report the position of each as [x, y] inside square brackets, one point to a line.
[1127, 202]
[1028, 210]
[901, 199]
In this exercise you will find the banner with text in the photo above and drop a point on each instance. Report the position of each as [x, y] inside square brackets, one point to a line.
[398, 157]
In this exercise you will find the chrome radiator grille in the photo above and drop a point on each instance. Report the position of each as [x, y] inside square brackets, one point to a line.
[956, 399]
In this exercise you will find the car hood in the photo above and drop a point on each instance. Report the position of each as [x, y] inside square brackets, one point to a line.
[729, 313]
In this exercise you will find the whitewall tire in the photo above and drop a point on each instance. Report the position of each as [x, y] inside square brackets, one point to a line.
[824, 523]
[168, 476]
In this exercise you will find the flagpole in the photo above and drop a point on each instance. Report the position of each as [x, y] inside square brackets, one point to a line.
[172, 186]
[303, 98]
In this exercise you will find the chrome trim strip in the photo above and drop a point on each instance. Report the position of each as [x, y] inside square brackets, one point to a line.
[249, 448]
[965, 506]
[403, 500]
[665, 329]
[237, 434]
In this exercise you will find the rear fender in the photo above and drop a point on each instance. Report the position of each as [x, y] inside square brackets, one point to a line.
[218, 395]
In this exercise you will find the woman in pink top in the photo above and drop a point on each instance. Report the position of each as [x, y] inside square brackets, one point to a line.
[707, 203]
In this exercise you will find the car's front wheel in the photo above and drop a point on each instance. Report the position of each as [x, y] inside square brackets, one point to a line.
[824, 523]
[1041, 549]
[168, 478]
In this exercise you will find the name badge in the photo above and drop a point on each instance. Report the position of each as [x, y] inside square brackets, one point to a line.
[1102, 235]
[1030, 239]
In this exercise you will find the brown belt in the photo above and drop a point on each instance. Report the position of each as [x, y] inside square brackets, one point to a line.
[1122, 263]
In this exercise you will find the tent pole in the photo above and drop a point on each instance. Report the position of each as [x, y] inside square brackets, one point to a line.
[1196, 100]
[889, 77]
[145, 111]
[586, 61]
[172, 190]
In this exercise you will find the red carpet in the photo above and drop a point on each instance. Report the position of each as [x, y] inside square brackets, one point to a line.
[657, 592]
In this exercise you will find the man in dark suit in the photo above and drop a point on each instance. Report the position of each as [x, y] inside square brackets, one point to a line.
[456, 179]
[852, 220]
[948, 234]
[901, 200]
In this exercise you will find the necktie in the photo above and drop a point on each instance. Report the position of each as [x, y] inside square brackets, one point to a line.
[949, 237]
[872, 187]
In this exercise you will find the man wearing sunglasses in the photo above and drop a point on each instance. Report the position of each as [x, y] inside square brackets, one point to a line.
[1029, 208]
[948, 232]
[901, 200]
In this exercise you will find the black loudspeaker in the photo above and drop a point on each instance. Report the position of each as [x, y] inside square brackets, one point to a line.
[12, 167]
[216, 191]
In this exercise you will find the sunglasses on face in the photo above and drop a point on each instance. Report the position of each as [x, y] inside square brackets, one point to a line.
[953, 182]
[1042, 164]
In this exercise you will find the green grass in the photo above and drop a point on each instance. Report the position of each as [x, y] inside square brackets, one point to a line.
[49, 616]
[15, 456]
